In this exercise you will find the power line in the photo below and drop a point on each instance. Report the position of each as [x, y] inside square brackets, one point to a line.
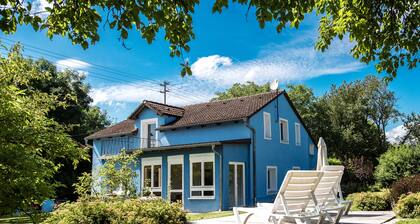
[44, 52]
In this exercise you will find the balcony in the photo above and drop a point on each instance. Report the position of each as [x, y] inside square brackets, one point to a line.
[149, 143]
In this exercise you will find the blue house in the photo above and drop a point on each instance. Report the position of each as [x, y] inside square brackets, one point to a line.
[215, 155]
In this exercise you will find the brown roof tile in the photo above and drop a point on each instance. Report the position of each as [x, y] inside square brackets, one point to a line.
[159, 108]
[122, 128]
[221, 111]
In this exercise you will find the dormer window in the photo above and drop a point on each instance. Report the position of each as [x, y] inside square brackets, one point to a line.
[149, 134]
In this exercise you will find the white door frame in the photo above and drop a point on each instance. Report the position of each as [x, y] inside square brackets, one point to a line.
[235, 181]
[172, 160]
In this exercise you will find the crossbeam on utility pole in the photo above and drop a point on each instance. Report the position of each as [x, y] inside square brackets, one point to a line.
[165, 90]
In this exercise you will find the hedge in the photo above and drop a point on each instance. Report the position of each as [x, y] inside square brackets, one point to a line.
[113, 211]
[408, 206]
[371, 201]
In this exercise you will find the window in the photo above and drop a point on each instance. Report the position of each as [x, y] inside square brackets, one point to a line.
[152, 175]
[297, 134]
[149, 134]
[284, 131]
[267, 126]
[311, 149]
[202, 175]
[271, 179]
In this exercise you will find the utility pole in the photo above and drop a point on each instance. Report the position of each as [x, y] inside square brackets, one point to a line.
[165, 90]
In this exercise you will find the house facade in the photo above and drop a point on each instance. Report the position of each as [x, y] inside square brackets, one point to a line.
[212, 156]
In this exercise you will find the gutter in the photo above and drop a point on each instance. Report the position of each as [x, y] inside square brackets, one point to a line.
[253, 153]
[213, 148]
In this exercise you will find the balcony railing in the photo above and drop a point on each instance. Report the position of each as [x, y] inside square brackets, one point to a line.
[148, 143]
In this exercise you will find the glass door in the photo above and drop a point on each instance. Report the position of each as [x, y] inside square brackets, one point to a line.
[175, 183]
[236, 184]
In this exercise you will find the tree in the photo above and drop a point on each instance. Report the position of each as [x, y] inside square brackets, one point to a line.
[238, 89]
[385, 32]
[412, 125]
[31, 143]
[76, 114]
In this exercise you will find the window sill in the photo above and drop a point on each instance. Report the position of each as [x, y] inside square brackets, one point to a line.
[202, 198]
[267, 138]
[284, 142]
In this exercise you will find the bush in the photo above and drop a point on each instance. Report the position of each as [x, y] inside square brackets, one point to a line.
[370, 201]
[154, 211]
[405, 185]
[408, 206]
[397, 162]
[334, 161]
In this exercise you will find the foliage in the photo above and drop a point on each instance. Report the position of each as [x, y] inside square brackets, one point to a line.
[334, 161]
[78, 115]
[370, 201]
[84, 186]
[412, 125]
[405, 185]
[408, 206]
[31, 143]
[238, 90]
[117, 174]
[397, 162]
[154, 211]
[408, 221]
[385, 32]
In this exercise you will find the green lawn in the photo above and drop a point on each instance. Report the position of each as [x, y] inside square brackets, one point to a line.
[15, 219]
[208, 215]
[409, 221]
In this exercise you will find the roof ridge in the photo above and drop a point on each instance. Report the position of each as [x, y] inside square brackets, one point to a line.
[236, 98]
[168, 105]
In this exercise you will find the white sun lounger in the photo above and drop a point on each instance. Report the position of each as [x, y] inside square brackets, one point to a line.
[296, 192]
[326, 192]
[338, 192]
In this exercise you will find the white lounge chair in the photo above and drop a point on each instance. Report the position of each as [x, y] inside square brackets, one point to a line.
[295, 193]
[326, 192]
[340, 196]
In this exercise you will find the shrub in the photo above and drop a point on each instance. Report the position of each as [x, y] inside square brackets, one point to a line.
[334, 161]
[370, 201]
[405, 185]
[397, 162]
[408, 206]
[152, 211]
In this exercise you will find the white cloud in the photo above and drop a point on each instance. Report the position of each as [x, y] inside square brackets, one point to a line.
[38, 8]
[74, 64]
[283, 62]
[396, 134]
[137, 92]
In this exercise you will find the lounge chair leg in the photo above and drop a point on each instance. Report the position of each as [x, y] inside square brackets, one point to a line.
[339, 214]
[321, 218]
[346, 212]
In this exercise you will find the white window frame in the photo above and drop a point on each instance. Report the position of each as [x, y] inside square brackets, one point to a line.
[298, 137]
[267, 129]
[269, 190]
[236, 183]
[311, 149]
[175, 160]
[202, 158]
[143, 131]
[286, 141]
[152, 161]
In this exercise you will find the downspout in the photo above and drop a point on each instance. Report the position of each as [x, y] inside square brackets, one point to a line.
[213, 148]
[253, 168]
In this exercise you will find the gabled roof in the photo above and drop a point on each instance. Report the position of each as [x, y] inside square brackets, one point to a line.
[159, 108]
[123, 128]
[222, 111]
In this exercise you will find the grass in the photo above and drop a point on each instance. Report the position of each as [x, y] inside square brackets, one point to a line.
[409, 221]
[15, 219]
[208, 215]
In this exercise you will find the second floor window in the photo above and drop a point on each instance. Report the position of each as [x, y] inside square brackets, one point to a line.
[149, 133]
[267, 125]
[284, 131]
[297, 134]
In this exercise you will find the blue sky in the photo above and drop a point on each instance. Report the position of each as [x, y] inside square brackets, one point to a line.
[228, 48]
